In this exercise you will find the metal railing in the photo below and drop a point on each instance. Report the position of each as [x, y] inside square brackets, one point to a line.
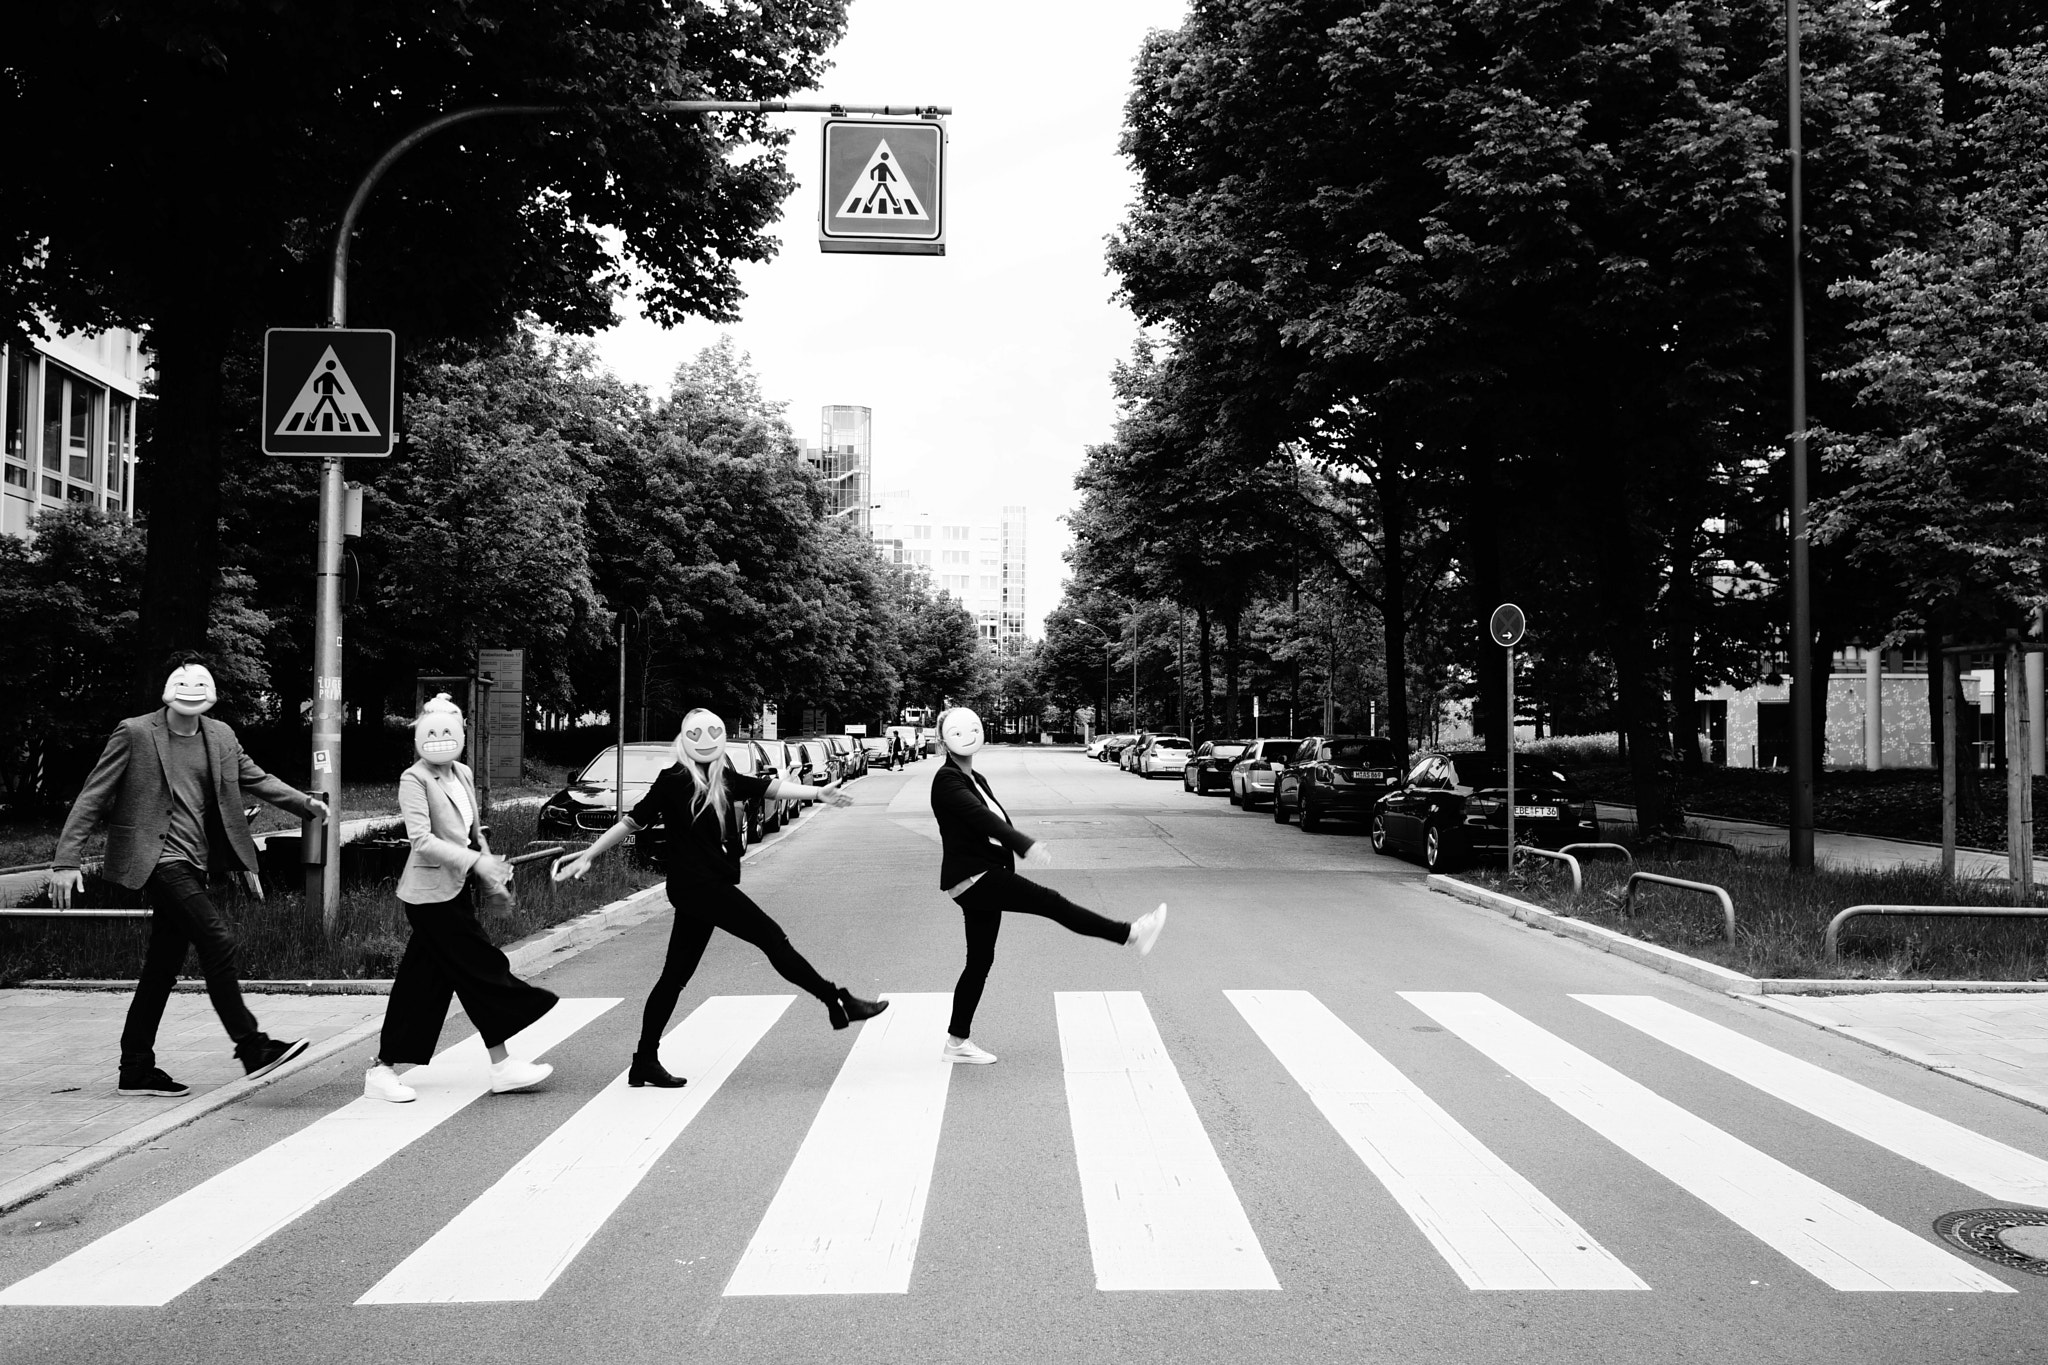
[1831, 940]
[1626, 856]
[1578, 882]
[1703, 888]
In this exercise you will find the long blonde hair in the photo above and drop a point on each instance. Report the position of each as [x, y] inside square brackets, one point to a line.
[711, 781]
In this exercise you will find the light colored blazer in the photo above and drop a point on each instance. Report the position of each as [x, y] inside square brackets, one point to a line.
[441, 856]
[128, 792]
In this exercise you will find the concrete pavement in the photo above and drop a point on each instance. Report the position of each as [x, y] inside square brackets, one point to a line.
[1439, 1135]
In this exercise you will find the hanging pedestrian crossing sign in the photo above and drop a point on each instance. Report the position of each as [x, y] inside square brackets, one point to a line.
[329, 391]
[884, 186]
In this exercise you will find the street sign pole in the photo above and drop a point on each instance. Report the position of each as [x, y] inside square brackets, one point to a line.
[1507, 627]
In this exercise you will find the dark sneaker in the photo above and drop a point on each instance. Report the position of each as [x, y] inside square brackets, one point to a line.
[152, 1082]
[268, 1054]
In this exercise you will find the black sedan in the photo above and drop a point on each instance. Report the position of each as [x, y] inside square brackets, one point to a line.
[587, 807]
[1335, 775]
[1209, 767]
[1454, 807]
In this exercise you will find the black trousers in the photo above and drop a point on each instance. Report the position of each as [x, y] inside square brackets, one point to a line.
[449, 955]
[186, 917]
[983, 906]
[700, 907]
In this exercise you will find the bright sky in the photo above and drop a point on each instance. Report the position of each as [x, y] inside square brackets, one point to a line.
[987, 368]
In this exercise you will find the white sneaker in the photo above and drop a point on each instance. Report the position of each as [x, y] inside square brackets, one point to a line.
[967, 1054]
[513, 1074]
[1145, 929]
[382, 1083]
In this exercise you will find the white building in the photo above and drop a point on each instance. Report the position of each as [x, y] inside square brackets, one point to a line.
[67, 424]
[975, 555]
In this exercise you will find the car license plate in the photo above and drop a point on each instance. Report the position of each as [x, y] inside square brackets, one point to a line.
[1535, 812]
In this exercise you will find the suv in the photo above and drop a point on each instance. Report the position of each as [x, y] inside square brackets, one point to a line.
[1335, 775]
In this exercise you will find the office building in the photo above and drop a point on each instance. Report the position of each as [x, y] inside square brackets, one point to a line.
[67, 424]
[972, 554]
[843, 458]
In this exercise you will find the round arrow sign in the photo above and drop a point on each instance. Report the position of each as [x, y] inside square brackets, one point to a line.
[1507, 625]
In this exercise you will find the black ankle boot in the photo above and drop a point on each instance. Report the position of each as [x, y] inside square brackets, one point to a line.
[848, 1008]
[648, 1070]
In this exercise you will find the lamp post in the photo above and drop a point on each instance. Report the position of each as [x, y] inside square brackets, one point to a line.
[1107, 640]
[1801, 766]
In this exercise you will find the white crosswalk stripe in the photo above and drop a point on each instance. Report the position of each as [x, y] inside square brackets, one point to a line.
[1495, 1229]
[1161, 1212]
[1943, 1147]
[171, 1248]
[1832, 1237]
[521, 1234]
[847, 1217]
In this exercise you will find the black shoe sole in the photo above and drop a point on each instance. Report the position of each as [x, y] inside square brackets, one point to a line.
[291, 1050]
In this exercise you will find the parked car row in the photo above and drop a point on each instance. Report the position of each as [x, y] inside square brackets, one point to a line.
[1445, 808]
[590, 804]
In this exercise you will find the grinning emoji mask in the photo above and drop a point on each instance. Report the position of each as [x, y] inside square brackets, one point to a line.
[437, 735]
[189, 690]
[703, 736]
[960, 731]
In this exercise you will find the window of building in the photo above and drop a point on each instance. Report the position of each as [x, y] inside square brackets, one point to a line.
[955, 532]
[53, 420]
[925, 533]
[70, 439]
[18, 380]
[120, 440]
[79, 450]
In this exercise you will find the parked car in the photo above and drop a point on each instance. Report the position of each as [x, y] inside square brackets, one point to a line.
[853, 760]
[783, 758]
[588, 806]
[758, 816]
[1252, 776]
[879, 750]
[1113, 748]
[1454, 806]
[1164, 756]
[1335, 775]
[1128, 758]
[1209, 766]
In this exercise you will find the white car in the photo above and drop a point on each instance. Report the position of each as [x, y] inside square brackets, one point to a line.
[1165, 756]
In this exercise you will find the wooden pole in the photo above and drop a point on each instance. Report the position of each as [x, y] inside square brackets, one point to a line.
[2019, 780]
[1951, 666]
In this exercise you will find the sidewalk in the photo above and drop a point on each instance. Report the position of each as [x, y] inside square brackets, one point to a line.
[1998, 1042]
[1846, 852]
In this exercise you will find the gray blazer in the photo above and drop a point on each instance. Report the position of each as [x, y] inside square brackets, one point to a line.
[127, 790]
[441, 856]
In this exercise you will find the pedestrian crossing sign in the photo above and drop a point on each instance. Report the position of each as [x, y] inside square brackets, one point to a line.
[884, 186]
[329, 391]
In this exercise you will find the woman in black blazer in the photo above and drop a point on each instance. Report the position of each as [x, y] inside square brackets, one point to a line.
[978, 869]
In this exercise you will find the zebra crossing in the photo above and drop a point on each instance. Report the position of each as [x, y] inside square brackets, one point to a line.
[1160, 1207]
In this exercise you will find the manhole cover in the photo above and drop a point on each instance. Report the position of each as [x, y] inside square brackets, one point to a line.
[2011, 1237]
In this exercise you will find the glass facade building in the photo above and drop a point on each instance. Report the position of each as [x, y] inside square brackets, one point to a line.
[67, 425]
[844, 459]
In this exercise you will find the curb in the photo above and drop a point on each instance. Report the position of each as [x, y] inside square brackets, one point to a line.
[537, 953]
[1607, 940]
[1907, 1054]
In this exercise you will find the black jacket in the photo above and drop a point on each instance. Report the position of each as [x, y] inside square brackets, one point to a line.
[974, 837]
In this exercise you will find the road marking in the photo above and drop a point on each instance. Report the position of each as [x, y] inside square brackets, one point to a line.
[155, 1258]
[847, 1216]
[1495, 1229]
[518, 1237]
[1946, 1148]
[1161, 1211]
[1837, 1240]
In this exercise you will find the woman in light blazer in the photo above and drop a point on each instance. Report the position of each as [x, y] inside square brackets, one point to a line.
[449, 954]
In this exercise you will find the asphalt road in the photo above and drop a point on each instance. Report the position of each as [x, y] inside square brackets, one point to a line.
[1402, 1121]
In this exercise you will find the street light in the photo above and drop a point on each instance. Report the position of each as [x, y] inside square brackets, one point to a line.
[1106, 639]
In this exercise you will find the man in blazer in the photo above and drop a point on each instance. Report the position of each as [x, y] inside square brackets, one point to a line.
[169, 788]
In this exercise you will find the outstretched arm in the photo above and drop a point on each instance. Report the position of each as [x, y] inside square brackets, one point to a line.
[576, 864]
[782, 789]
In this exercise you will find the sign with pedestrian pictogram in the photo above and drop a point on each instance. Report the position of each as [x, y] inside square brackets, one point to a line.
[884, 187]
[329, 391]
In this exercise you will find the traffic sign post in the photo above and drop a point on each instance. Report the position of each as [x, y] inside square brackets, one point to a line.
[1507, 628]
[884, 187]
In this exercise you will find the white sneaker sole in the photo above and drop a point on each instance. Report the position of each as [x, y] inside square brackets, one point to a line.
[514, 1087]
[960, 1059]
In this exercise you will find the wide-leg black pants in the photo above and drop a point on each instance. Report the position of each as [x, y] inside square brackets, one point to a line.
[449, 955]
[700, 907]
[983, 906]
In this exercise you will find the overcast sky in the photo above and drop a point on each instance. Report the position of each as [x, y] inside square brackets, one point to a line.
[988, 367]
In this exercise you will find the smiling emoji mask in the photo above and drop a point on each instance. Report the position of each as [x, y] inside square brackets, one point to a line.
[437, 736]
[189, 690]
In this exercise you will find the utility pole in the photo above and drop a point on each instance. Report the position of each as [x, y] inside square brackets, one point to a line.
[1801, 766]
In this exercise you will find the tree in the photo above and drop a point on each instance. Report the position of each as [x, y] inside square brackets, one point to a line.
[236, 134]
